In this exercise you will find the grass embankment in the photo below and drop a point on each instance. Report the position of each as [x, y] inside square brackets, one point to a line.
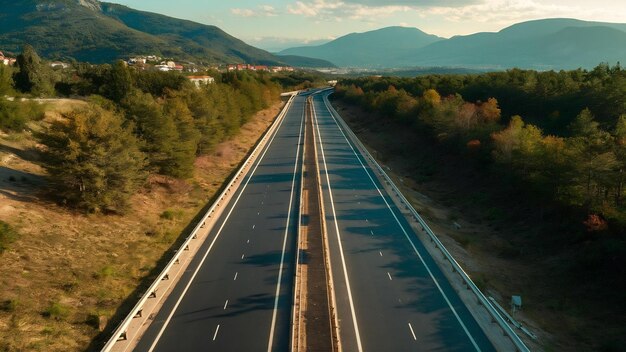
[67, 273]
[507, 245]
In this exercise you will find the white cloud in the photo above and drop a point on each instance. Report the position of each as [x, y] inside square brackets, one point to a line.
[261, 11]
[324, 10]
[414, 3]
[242, 12]
[502, 11]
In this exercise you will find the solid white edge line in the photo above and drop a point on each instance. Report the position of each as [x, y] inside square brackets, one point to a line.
[343, 259]
[445, 297]
[282, 257]
[217, 235]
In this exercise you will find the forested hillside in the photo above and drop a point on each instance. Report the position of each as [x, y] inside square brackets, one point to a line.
[546, 152]
[98, 32]
[562, 133]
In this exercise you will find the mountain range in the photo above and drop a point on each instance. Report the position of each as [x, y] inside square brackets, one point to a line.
[98, 32]
[370, 49]
[540, 44]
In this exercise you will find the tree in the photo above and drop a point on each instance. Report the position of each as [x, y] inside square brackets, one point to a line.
[33, 76]
[620, 153]
[153, 127]
[94, 161]
[181, 161]
[6, 80]
[594, 158]
[431, 97]
[489, 111]
[518, 145]
[120, 82]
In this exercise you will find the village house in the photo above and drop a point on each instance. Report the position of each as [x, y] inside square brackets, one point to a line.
[9, 61]
[59, 64]
[201, 80]
[137, 60]
[243, 67]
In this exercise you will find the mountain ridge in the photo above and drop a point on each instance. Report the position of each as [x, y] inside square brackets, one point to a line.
[553, 43]
[355, 49]
[537, 44]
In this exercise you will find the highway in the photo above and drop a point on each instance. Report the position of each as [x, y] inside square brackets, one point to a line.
[390, 294]
[236, 295]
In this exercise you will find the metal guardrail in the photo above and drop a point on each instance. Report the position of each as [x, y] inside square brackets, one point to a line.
[120, 333]
[496, 317]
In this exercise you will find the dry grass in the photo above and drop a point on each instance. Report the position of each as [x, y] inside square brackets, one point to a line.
[69, 272]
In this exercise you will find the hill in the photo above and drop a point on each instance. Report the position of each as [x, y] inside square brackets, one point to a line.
[541, 44]
[379, 48]
[97, 32]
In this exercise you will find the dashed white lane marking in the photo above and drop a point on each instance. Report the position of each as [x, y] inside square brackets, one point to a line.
[253, 226]
[412, 332]
[381, 253]
[258, 213]
[248, 241]
[372, 232]
[243, 255]
[389, 276]
[206, 254]
[216, 331]
[235, 278]
[366, 220]
[225, 304]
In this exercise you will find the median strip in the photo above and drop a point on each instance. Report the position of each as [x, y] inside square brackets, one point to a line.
[313, 314]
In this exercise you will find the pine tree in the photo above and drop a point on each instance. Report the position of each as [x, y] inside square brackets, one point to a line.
[33, 76]
[153, 127]
[95, 161]
[181, 161]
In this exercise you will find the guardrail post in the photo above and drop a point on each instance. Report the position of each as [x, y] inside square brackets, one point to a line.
[139, 313]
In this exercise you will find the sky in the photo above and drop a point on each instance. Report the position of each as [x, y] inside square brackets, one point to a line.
[278, 24]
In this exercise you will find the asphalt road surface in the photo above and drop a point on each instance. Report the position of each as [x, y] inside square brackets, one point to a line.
[391, 296]
[236, 295]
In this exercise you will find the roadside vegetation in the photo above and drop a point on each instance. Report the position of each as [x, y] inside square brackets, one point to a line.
[544, 154]
[102, 169]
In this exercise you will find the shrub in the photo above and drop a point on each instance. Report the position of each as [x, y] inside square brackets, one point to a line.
[171, 214]
[57, 311]
[7, 236]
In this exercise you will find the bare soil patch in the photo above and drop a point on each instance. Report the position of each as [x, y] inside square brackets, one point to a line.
[68, 273]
